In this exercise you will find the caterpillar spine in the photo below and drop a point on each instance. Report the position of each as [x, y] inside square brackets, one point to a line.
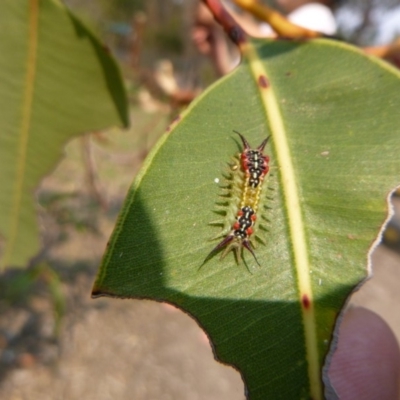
[247, 183]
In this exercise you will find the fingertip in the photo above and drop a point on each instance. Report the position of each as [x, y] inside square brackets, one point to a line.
[366, 364]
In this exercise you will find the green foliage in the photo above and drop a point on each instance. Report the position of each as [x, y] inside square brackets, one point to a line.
[332, 114]
[56, 81]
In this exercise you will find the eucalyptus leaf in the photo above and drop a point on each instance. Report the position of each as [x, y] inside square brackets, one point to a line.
[332, 114]
[56, 81]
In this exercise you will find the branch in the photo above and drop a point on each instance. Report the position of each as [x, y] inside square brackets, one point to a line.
[233, 30]
[390, 52]
[282, 26]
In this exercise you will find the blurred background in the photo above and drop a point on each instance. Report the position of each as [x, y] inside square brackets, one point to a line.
[55, 341]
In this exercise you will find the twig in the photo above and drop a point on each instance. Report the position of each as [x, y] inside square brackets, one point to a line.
[281, 25]
[390, 52]
[233, 30]
[90, 170]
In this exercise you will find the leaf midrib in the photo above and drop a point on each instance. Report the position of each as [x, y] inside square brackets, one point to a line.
[294, 215]
[23, 133]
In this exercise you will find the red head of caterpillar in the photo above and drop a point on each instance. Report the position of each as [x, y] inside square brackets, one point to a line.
[254, 167]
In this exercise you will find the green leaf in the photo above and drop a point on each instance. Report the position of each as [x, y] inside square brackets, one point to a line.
[332, 114]
[56, 81]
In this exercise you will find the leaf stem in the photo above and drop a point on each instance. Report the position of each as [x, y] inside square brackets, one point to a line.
[281, 25]
[231, 27]
[389, 52]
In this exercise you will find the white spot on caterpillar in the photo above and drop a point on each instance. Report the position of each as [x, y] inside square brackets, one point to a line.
[320, 282]
[216, 180]
[325, 153]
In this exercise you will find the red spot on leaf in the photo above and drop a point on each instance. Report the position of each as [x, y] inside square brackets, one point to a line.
[176, 119]
[306, 301]
[173, 123]
[263, 81]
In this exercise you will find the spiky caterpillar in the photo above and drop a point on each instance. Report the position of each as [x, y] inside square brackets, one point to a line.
[245, 183]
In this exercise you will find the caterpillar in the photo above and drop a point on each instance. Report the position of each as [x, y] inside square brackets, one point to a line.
[254, 167]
